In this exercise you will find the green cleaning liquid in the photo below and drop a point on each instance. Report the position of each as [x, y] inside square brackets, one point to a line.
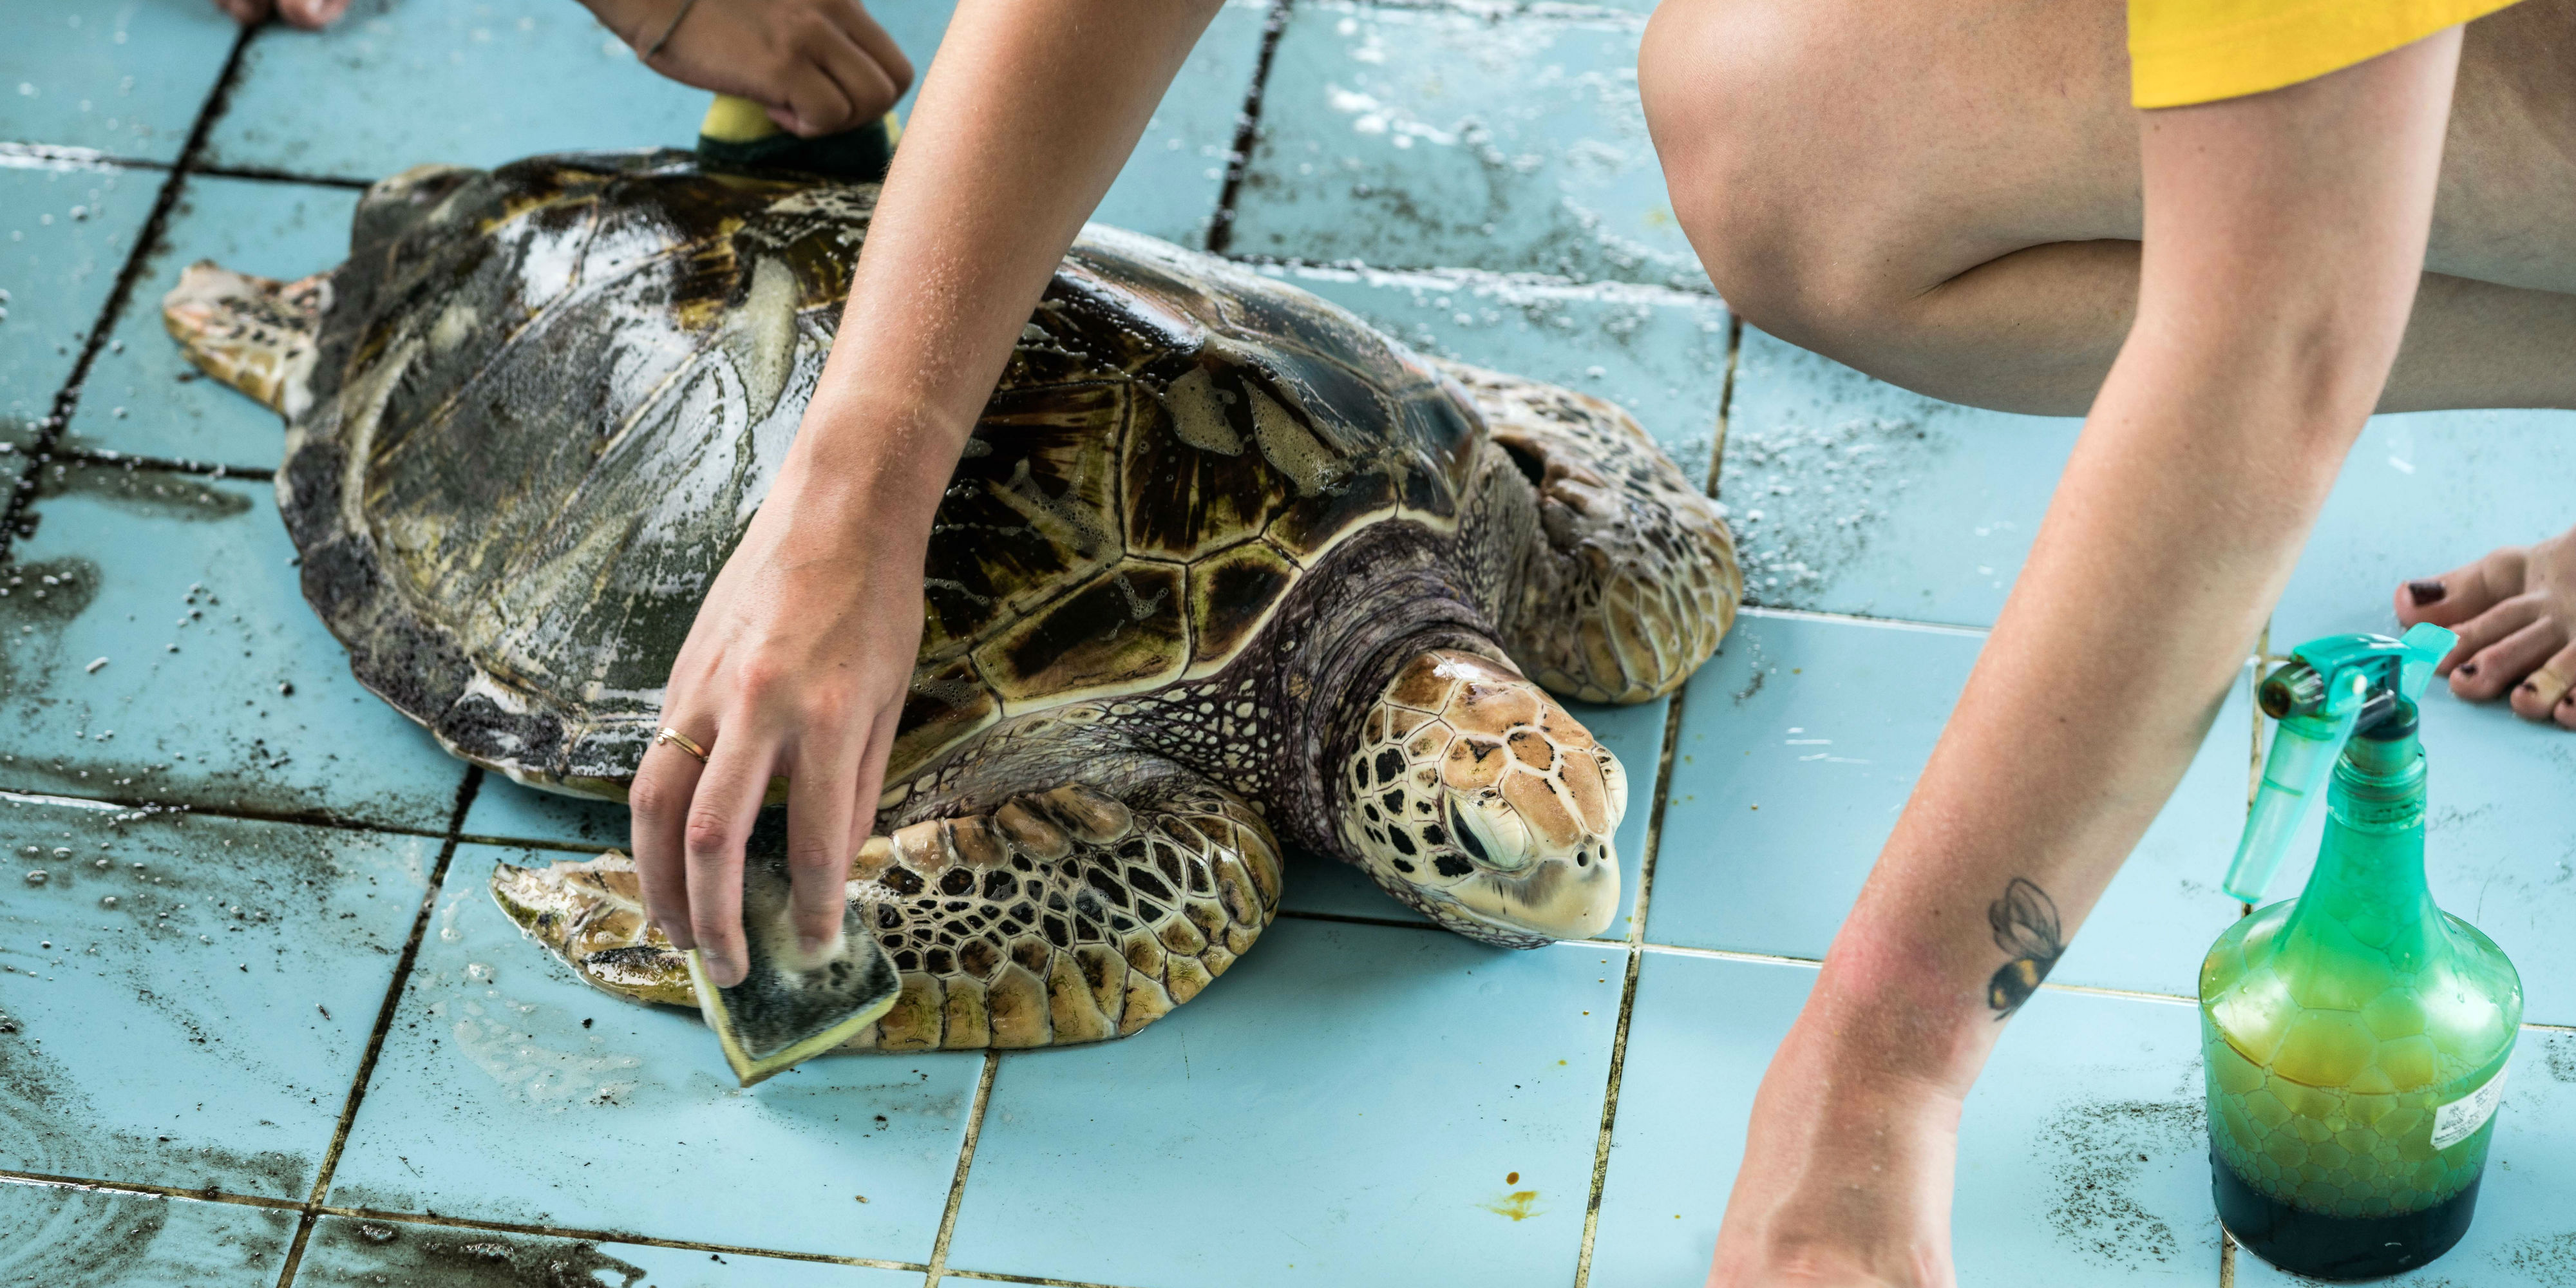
[2356, 1039]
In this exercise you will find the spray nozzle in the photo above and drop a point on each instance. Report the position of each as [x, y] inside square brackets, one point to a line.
[2329, 689]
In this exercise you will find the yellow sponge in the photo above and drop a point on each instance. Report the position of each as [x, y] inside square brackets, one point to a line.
[738, 134]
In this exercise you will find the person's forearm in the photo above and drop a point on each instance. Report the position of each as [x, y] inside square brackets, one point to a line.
[2284, 239]
[1025, 118]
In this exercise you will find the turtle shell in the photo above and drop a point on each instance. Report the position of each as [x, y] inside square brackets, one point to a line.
[548, 398]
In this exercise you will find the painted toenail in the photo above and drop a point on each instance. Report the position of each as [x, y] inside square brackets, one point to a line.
[2426, 592]
[2468, 668]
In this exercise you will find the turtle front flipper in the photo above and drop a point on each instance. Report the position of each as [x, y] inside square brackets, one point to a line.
[1632, 578]
[1067, 915]
[253, 333]
[590, 913]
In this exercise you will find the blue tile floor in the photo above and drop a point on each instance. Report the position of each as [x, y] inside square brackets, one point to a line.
[260, 1025]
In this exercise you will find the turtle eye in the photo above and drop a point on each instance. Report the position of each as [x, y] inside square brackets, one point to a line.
[1466, 833]
[1496, 842]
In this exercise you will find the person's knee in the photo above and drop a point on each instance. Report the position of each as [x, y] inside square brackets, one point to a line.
[1735, 96]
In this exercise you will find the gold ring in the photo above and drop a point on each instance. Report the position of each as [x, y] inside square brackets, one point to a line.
[682, 741]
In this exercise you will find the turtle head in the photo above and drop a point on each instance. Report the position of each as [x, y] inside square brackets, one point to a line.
[252, 333]
[1474, 797]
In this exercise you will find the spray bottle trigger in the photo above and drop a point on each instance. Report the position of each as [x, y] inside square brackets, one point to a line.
[2303, 752]
[2426, 645]
[2320, 697]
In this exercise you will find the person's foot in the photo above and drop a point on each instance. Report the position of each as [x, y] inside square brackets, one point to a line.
[311, 15]
[2515, 611]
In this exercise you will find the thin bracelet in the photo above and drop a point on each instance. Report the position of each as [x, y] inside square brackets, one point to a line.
[656, 47]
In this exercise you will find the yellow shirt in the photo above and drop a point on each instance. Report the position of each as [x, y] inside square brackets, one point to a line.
[2200, 51]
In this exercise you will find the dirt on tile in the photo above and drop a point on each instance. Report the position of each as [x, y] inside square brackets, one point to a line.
[359, 1253]
[2545, 1259]
[2099, 1155]
[48, 1127]
[2559, 1054]
[68, 1238]
[152, 492]
[176, 888]
[36, 599]
[1806, 501]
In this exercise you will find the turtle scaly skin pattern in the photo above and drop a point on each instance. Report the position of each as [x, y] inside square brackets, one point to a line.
[1221, 568]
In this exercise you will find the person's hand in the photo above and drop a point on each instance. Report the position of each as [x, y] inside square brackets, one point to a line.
[311, 15]
[819, 66]
[1846, 1177]
[797, 666]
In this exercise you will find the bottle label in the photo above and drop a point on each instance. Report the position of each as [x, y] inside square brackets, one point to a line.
[2460, 1119]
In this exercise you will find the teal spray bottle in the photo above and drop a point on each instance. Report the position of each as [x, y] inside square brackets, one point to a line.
[2355, 1037]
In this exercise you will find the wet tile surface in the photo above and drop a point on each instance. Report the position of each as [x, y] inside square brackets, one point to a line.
[54, 1235]
[1850, 495]
[2082, 1154]
[1354, 1102]
[123, 77]
[1411, 137]
[2524, 1233]
[1170, 186]
[402, 82]
[507, 810]
[160, 1035]
[399, 83]
[2420, 495]
[1409, 1107]
[1798, 747]
[511, 1091]
[65, 233]
[248, 705]
[348, 1252]
[143, 396]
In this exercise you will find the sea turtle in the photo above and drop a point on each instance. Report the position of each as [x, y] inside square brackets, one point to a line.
[1222, 567]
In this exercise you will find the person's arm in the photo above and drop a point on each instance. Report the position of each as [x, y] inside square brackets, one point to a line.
[2284, 235]
[800, 658]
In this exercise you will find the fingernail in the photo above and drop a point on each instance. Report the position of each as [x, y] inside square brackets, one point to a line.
[2426, 592]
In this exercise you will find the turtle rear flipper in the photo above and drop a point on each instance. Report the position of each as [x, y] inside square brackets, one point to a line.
[253, 333]
[1068, 914]
[1632, 578]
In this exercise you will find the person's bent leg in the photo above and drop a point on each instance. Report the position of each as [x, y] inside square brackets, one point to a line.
[1946, 196]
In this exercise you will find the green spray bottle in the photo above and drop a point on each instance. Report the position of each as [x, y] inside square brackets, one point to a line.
[2355, 1037]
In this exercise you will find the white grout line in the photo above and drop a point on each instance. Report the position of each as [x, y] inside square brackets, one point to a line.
[1854, 619]
[1509, 288]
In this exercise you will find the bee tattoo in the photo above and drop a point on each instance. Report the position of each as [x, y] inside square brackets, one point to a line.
[2025, 924]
